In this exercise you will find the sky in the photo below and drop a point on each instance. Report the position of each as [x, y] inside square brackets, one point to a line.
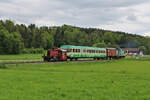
[132, 16]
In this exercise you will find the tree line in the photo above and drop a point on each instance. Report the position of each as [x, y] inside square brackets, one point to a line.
[16, 38]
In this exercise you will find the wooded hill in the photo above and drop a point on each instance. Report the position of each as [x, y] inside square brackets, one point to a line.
[15, 38]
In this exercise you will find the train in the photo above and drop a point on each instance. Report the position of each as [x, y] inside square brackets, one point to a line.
[71, 52]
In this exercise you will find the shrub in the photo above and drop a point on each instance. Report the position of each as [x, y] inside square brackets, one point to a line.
[33, 51]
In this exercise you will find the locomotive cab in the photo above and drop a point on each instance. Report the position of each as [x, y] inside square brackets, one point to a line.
[55, 55]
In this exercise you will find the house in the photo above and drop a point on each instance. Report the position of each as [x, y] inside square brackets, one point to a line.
[132, 51]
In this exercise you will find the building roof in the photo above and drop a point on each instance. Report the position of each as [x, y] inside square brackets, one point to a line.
[131, 49]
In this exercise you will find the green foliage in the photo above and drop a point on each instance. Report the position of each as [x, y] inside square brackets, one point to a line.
[11, 43]
[142, 48]
[47, 40]
[33, 51]
[101, 45]
[14, 38]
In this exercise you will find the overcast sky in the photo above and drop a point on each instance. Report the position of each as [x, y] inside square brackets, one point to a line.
[131, 16]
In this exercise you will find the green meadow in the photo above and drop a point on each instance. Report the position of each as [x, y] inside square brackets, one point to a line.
[20, 58]
[124, 79]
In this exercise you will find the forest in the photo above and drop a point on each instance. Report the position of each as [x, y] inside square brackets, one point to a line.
[20, 38]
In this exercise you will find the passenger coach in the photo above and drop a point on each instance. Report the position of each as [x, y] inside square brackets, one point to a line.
[75, 52]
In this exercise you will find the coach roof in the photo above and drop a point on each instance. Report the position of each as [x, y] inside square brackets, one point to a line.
[85, 47]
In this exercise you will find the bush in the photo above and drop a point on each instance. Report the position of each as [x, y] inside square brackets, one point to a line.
[3, 66]
[33, 51]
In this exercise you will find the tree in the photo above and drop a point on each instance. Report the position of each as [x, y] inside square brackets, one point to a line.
[100, 45]
[47, 40]
[142, 48]
[10, 43]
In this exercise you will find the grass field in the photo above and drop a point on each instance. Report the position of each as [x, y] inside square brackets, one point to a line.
[113, 80]
[20, 58]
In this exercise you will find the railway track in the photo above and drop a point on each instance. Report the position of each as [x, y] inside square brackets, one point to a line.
[42, 62]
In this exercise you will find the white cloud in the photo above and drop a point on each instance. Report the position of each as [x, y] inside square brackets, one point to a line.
[120, 15]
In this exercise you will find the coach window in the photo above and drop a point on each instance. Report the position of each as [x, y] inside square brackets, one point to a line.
[103, 51]
[84, 50]
[74, 50]
[70, 50]
[96, 51]
[88, 51]
[77, 50]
